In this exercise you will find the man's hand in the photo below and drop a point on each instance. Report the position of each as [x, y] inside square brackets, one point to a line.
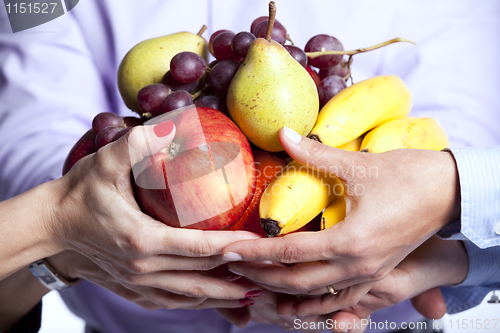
[395, 201]
[435, 263]
[98, 217]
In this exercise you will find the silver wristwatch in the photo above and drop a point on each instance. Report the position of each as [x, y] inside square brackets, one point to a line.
[48, 277]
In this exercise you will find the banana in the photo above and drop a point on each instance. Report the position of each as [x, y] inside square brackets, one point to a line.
[334, 213]
[354, 145]
[361, 107]
[295, 197]
[408, 132]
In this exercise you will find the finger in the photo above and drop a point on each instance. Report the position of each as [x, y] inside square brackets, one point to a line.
[315, 155]
[174, 263]
[329, 303]
[192, 284]
[348, 322]
[223, 303]
[138, 143]
[237, 316]
[430, 303]
[162, 239]
[307, 278]
[291, 248]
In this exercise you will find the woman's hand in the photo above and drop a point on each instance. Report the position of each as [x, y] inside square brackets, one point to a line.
[97, 216]
[395, 201]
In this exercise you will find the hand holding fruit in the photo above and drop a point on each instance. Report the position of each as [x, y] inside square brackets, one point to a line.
[383, 223]
[99, 218]
[435, 263]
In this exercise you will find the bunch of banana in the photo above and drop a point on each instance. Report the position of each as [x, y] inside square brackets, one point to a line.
[361, 107]
[295, 197]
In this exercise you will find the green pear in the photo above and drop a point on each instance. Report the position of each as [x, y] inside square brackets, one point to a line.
[269, 91]
[148, 61]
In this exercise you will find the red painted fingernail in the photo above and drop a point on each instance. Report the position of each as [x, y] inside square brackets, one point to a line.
[254, 293]
[164, 129]
[246, 302]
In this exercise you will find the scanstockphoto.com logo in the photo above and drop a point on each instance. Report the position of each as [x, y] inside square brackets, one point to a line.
[26, 14]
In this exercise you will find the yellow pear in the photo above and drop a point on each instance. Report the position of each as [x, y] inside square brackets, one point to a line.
[269, 91]
[148, 61]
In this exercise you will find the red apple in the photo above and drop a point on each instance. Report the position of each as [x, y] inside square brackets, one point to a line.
[83, 147]
[267, 167]
[204, 179]
[314, 75]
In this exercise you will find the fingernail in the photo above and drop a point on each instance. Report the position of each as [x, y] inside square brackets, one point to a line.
[231, 256]
[292, 135]
[246, 302]
[267, 262]
[254, 293]
[164, 129]
[232, 277]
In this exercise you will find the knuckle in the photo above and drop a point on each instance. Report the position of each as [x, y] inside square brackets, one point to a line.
[137, 245]
[195, 291]
[288, 254]
[202, 248]
[368, 270]
[317, 149]
[138, 267]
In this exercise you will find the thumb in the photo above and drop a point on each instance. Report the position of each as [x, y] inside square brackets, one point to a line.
[138, 143]
[315, 155]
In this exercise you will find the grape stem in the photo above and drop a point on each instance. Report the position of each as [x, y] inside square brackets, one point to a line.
[361, 50]
[202, 30]
[289, 39]
[270, 22]
[199, 92]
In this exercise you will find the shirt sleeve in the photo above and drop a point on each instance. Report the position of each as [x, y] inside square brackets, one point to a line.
[483, 277]
[50, 88]
[479, 173]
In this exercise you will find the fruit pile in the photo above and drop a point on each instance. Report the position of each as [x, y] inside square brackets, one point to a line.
[258, 83]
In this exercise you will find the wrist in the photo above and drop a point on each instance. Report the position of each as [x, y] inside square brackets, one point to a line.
[454, 198]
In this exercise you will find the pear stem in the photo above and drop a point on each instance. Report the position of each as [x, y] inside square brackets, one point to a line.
[270, 22]
[202, 30]
[361, 50]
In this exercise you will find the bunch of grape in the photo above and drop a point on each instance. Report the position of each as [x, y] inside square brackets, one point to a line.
[190, 80]
[109, 127]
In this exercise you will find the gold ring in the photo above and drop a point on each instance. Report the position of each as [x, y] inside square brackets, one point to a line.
[332, 290]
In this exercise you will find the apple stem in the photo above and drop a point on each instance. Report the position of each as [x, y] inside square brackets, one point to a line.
[202, 30]
[361, 50]
[270, 22]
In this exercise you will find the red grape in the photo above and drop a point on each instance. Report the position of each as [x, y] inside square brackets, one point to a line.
[278, 33]
[339, 70]
[211, 41]
[121, 133]
[297, 53]
[105, 119]
[176, 100]
[105, 136]
[187, 67]
[329, 87]
[324, 43]
[213, 102]
[222, 47]
[170, 81]
[151, 97]
[221, 75]
[257, 21]
[241, 43]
